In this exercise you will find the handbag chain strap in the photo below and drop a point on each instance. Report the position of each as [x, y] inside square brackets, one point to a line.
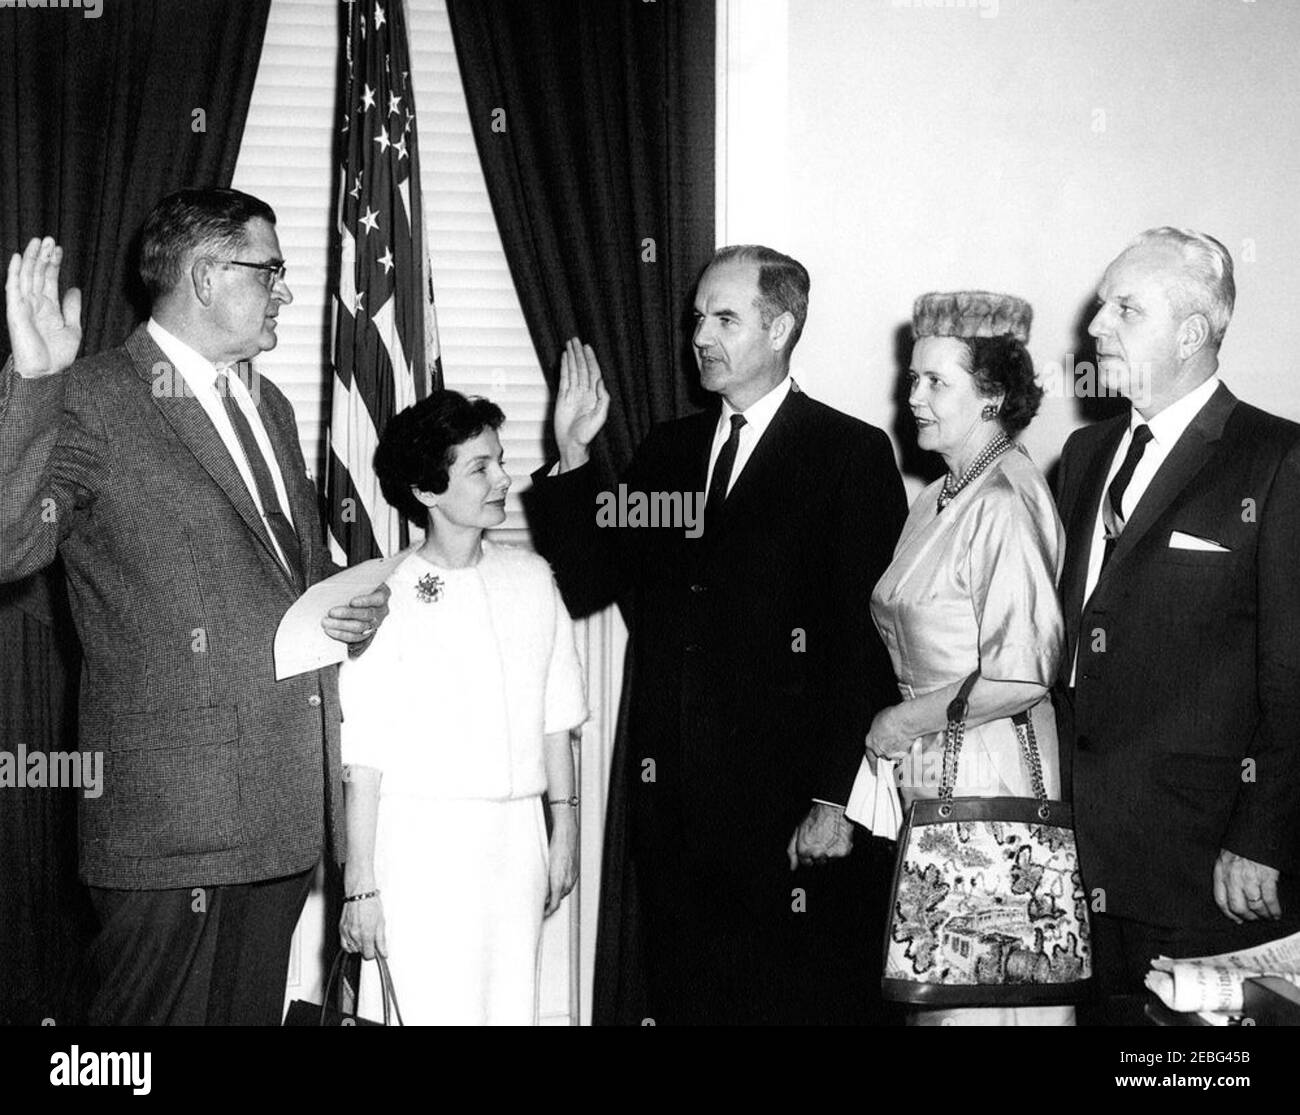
[1029, 748]
[954, 736]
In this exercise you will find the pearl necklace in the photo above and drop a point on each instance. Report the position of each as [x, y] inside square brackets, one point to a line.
[990, 453]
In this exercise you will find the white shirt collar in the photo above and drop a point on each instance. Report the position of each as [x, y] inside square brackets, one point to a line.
[759, 414]
[1168, 426]
[197, 370]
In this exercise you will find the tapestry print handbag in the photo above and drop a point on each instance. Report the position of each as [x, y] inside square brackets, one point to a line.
[987, 907]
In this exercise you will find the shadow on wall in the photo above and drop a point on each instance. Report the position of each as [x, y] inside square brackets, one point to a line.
[915, 461]
[1090, 406]
[1082, 380]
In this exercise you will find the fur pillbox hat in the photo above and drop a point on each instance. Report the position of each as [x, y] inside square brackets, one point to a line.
[971, 313]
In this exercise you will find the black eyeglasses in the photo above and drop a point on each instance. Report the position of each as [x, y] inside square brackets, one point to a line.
[274, 271]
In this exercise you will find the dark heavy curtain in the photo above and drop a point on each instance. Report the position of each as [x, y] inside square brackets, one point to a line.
[98, 119]
[594, 122]
[595, 125]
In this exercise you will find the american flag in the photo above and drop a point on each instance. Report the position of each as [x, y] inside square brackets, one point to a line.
[385, 350]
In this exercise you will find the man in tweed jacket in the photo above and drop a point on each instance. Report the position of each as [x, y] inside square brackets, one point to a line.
[220, 784]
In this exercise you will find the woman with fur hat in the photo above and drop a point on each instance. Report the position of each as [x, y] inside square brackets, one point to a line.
[973, 580]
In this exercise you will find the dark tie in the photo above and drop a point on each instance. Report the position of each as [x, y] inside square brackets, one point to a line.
[722, 470]
[1112, 513]
[271, 510]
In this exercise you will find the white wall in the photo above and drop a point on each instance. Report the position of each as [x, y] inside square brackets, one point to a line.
[900, 148]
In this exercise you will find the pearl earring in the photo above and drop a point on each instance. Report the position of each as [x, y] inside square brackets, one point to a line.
[989, 412]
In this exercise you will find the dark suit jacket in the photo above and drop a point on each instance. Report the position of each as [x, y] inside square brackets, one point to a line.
[755, 666]
[213, 772]
[1189, 664]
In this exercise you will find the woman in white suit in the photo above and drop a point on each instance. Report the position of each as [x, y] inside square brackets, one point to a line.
[456, 740]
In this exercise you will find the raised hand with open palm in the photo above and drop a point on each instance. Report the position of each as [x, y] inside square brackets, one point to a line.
[581, 406]
[44, 333]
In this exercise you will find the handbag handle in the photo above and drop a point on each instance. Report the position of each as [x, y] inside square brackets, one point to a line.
[387, 991]
[954, 735]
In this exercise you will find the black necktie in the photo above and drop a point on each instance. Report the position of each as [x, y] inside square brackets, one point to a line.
[1112, 513]
[722, 470]
[271, 510]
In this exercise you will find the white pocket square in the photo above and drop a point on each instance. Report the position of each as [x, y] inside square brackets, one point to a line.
[1180, 541]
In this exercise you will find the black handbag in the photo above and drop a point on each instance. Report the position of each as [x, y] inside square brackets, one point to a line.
[303, 1013]
[987, 907]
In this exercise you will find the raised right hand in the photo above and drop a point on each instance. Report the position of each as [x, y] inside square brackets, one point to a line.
[582, 404]
[43, 334]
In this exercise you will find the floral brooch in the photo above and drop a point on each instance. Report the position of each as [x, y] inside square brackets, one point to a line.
[429, 588]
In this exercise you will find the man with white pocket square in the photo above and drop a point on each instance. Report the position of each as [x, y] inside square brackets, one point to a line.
[1179, 698]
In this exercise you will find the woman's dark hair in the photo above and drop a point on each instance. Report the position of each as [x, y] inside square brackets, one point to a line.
[418, 446]
[1002, 365]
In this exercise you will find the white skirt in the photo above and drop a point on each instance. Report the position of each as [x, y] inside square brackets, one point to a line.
[464, 887]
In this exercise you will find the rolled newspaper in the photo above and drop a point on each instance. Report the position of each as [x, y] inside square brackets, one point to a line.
[1215, 983]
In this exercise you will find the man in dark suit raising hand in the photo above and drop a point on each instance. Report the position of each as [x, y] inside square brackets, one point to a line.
[1181, 686]
[731, 882]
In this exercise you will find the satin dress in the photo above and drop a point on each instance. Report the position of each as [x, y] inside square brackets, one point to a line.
[974, 585]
